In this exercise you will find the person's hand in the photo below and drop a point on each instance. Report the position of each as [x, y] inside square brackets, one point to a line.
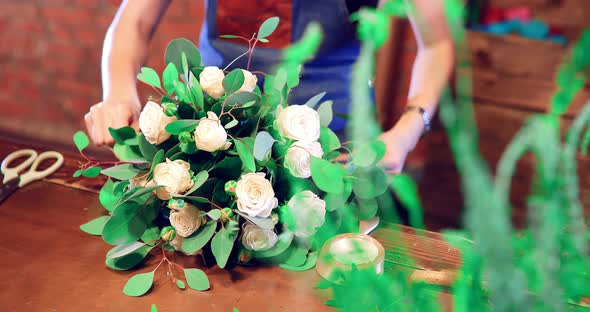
[111, 114]
[400, 140]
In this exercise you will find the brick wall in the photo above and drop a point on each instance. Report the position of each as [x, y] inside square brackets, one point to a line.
[50, 60]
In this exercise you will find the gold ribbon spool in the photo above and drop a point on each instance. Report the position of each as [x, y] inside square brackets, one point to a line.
[337, 256]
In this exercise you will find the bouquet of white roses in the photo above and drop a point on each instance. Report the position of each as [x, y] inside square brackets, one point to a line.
[224, 170]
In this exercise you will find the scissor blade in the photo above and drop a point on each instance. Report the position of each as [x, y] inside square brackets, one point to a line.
[7, 189]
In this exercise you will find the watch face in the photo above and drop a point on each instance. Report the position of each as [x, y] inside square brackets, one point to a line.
[244, 17]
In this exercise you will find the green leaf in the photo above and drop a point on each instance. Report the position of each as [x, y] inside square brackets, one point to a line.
[325, 112]
[199, 180]
[139, 284]
[263, 40]
[184, 69]
[170, 77]
[315, 100]
[121, 135]
[200, 238]
[265, 223]
[407, 191]
[130, 260]
[158, 158]
[370, 182]
[150, 234]
[121, 172]
[329, 140]
[297, 255]
[78, 173]
[148, 151]
[154, 308]
[179, 126]
[263, 145]
[245, 155]
[127, 152]
[174, 52]
[242, 98]
[149, 77]
[280, 80]
[196, 279]
[180, 284]
[94, 227]
[81, 140]
[221, 246]
[368, 208]
[214, 214]
[92, 172]
[231, 124]
[371, 153]
[142, 191]
[128, 222]
[196, 91]
[293, 77]
[268, 27]
[327, 176]
[123, 250]
[233, 81]
[282, 244]
[248, 104]
[312, 258]
[183, 92]
[107, 197]
[229, 36]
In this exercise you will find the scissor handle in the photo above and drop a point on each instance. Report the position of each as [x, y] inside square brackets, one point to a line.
[12, 172]
[33, 174]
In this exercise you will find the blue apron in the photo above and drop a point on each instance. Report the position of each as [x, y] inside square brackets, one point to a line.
[329, 71]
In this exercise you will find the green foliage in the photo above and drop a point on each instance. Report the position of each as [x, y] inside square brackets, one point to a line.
[94, 227]
[263, 145]
[170, 77]
[309, 263]
[315, 100]
[129, 261]
[327, 176]
[242, 98]
[245, 155]
[124, 250]
[81, 140]
[180, 284]
[148, 151]
[268, 27]
[284, 241]
[200, 238]
[196, 92]
[199, 180]
[121, 172]
[122, 135]
[127, 152]
[175, 50]
[233, 81]
[139, 284]
[149, 77]
[407, 191]
[196, 279]
[92, 172]
[179, 126]
[128, 221]
[329, 140]
[265, 223]
[222, 244]
[325, 112]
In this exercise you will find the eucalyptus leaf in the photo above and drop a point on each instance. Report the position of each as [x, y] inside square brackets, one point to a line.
[123, 250]
[179, 126]
[242, 98]
[129, 261]
[407, 191]
[248, 104]
[142, 191]
[128, 222]
[174, 52]
[170, 77]
[121, 135]
[214, 214]
[199, 180]
[370, 182]
[315, 100]
[200, 238]
[92, 172]
[78, 173]
[222, 245]
[158, 158]
[107, 196]
[180, 284]
[327, 176]
[185, 68]
[263, 145]
[282, 244]
[231, 124]
[297, 255]
[127, 152]
[229, 36]
[151, 234]
[196, 91]
[233, 81]
[139, 284]
[149, 77]
[245, 155]
[148, 150]
[310, 262]
[95, 226]
[81, 140]
[196, 279]
[265, 223]
[325, 112]
[183, 92]
[280, 80]
[121, 172]
[268, 27]
[264, 40]
[329, 140]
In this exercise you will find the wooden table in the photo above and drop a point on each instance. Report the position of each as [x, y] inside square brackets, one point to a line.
[49, 264]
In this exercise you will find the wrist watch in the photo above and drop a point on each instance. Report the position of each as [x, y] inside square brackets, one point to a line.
[423, 113]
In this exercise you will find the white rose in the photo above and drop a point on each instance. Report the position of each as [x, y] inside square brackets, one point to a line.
[299, 123]
[250, 81]
[152, 123]
[186, 220]
[174, 176]
[308, 212]
[255, 196]
[257, 238]
[211, 79]
[298, 157]
[210, 135]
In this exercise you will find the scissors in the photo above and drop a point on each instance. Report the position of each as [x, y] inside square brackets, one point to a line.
[12, 180]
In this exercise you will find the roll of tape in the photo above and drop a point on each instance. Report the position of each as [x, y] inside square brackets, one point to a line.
[342, 252]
